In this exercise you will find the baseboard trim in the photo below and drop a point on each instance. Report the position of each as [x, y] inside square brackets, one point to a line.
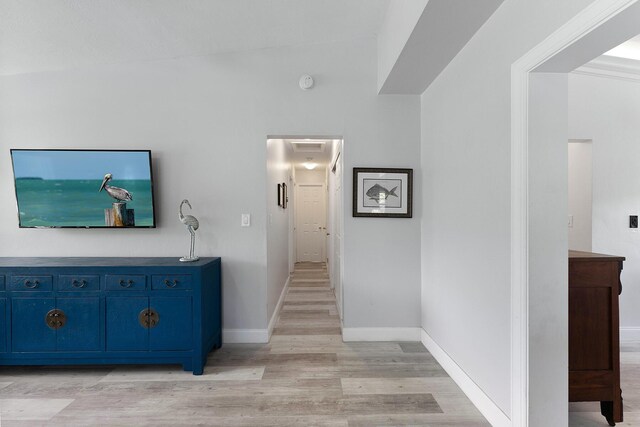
[485, 405]
[234, 336]
[381, 334]
[630, 334]
[276, 312]
[259, 336]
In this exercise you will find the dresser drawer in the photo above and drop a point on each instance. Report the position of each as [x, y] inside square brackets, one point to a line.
[30, 283]
[126, 282]
[79, 283]
[593, 274]
[1, 283]
[171, 281]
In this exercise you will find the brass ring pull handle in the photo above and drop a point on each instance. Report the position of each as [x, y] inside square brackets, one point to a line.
[171, 284]
[79, 284]
[31, 285]
[148, 318]
[126, 284]
[55, 319]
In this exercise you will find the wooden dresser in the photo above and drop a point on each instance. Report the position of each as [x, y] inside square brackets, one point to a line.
[594, 342]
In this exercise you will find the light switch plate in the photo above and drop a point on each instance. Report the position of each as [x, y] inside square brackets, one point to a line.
[570, 221]
[245, 220]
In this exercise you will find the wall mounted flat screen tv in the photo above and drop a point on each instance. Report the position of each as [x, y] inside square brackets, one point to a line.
[84, 188]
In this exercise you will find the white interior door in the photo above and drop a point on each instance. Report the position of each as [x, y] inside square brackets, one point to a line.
[311, 223]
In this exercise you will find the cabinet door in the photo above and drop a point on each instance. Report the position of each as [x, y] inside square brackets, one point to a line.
[81, 331]
[174, 329]
[29, 330]
[124, 331]
[3, 325]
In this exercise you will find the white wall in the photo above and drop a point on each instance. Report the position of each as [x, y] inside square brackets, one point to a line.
[315, 176]
[278, 172]
[206, 120]
[607, 111]
[580, 193]
[466, 203]
[548, 246]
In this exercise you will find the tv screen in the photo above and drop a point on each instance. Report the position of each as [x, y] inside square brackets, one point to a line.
[84, 188]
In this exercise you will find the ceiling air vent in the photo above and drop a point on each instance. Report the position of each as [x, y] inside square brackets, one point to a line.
[308, 147]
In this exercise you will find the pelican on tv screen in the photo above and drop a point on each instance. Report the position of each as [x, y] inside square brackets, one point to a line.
[84, 188]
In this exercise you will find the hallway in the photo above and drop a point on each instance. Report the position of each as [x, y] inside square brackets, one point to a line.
[349, 384]
[309, 307]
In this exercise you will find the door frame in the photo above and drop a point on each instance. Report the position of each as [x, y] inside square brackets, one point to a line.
[580, 26]
[337, 161]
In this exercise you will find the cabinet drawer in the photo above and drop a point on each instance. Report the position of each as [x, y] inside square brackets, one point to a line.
[1, 283]
[126, 282]
[30, 283]
[171, 281]
[593, 274]
[79, 283]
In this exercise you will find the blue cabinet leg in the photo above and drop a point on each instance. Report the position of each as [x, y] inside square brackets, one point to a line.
[198, 366]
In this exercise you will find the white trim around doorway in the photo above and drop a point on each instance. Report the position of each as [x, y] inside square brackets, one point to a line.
[582, 24]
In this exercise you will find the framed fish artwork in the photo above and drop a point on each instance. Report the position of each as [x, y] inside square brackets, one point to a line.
[382, 192]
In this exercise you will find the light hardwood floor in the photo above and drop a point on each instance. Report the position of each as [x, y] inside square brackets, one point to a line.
[587, 414]
[306, 376]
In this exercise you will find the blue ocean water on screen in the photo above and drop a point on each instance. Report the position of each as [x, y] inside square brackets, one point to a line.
[77, 203]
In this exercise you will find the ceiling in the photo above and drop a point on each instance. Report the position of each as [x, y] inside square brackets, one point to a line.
[39, 35]
[621, 62]
[443, 29]
[316, 151]
[629, 49]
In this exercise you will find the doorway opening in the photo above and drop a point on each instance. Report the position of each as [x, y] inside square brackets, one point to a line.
[580, 195]
[539, 232]
[304, 222]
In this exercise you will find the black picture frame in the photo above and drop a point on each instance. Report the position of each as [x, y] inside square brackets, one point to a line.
[279, 194]
[80, 150]
[285, 196]
[383, 192]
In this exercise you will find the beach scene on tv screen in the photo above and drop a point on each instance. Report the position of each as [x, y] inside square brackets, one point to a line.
[71, 189]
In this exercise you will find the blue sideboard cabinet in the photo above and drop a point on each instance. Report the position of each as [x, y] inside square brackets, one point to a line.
[62, 311]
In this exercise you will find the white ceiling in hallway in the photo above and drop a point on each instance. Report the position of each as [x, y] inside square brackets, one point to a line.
[301, 151]
[39, 35]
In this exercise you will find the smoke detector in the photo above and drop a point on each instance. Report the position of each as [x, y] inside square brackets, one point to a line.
[306, 82]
